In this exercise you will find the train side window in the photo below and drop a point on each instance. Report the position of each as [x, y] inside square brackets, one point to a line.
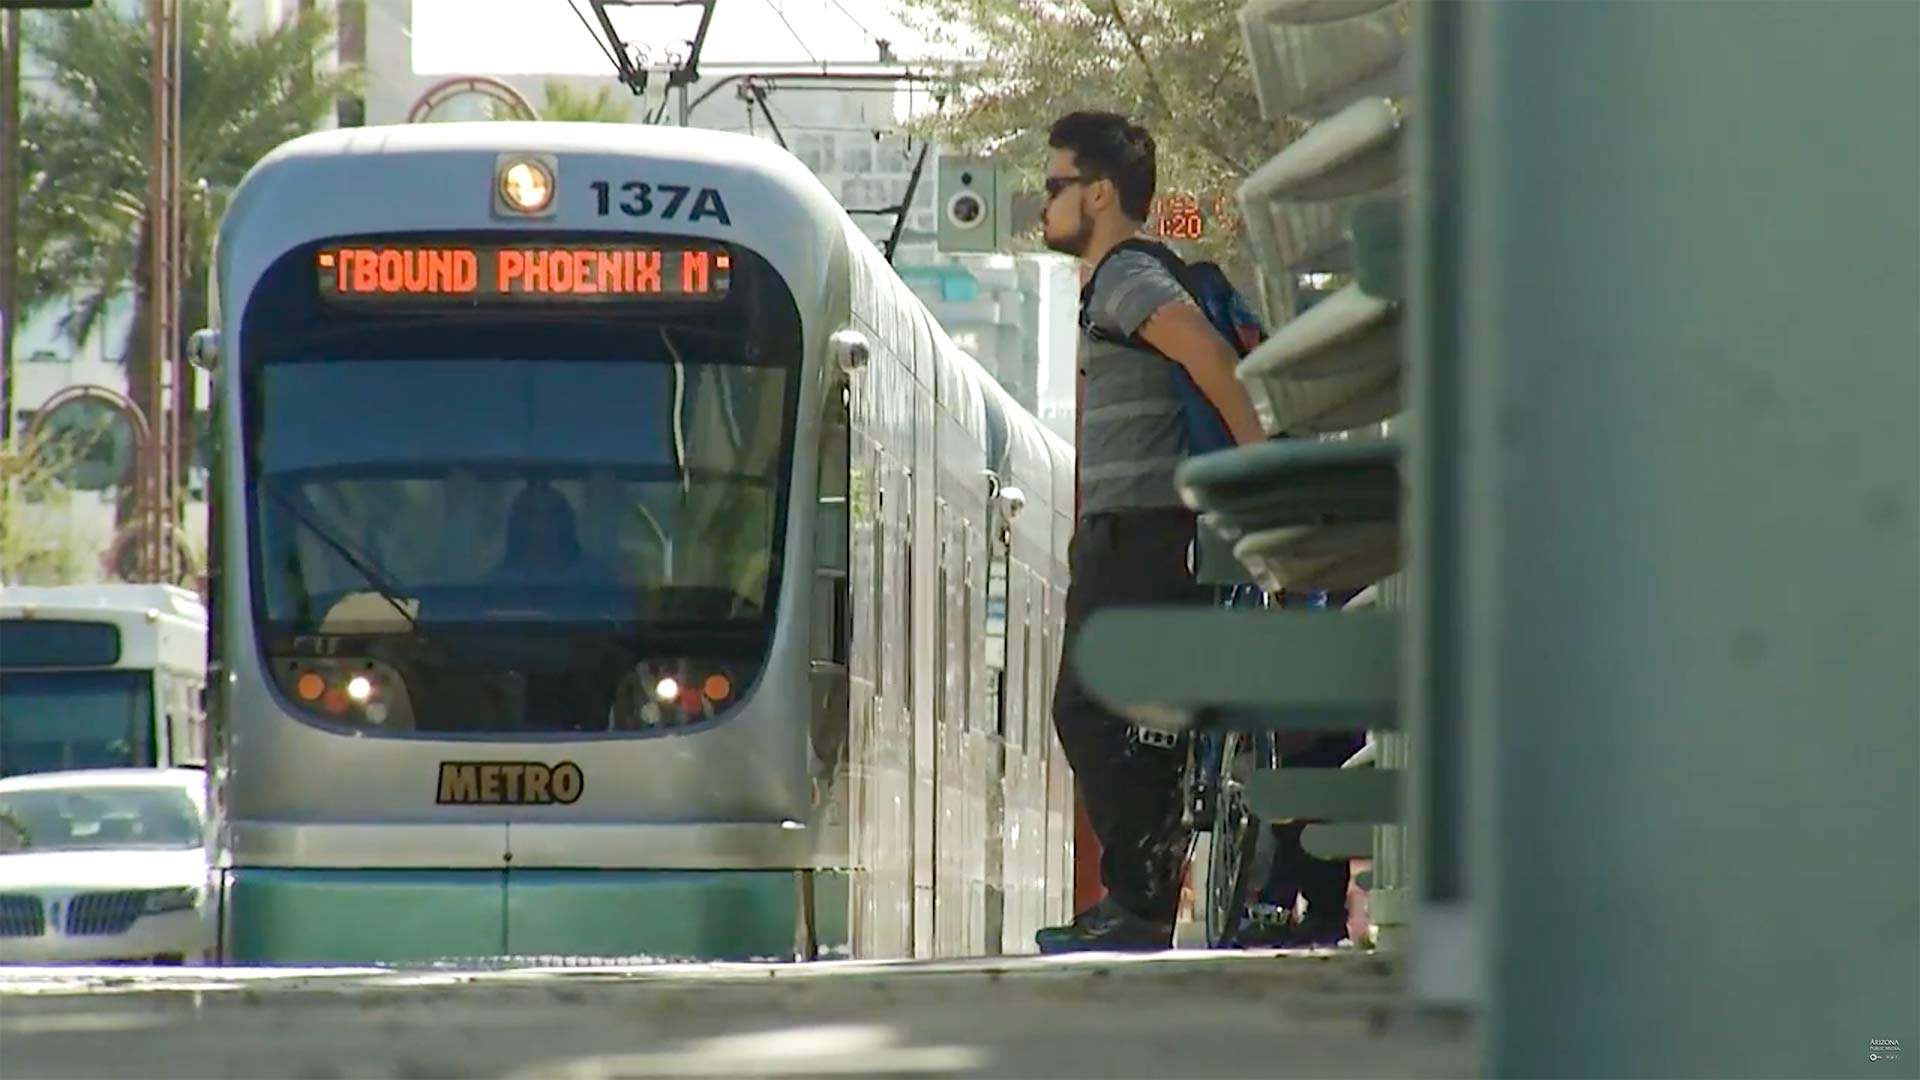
[999, 553]
[882, 618]
[832, 533]
[1041, 664]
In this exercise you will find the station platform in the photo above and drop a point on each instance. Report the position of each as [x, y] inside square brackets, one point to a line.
[1335, 1013]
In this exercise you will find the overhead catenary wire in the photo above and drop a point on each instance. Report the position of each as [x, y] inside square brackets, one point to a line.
[606, 50]
[862, 27]
[798, 40]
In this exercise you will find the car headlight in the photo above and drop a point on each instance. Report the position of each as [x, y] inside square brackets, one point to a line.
[160, 901]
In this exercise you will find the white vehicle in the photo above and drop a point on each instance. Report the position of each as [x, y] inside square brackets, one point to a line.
[100, 677]
[105, 865]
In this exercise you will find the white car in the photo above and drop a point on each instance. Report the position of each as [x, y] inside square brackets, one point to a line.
[105, 865]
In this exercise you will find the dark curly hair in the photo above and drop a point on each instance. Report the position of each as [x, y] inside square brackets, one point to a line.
[1108, 146]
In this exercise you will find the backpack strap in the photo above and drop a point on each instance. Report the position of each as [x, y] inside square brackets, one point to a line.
[1206, 427]
[1162, 254]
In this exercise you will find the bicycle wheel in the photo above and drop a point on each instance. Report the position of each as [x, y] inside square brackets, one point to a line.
[1240, 856]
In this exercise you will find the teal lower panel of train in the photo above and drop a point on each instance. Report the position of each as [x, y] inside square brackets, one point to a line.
[424, 917]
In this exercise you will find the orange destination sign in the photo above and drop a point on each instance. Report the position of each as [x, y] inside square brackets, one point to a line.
[560, 273]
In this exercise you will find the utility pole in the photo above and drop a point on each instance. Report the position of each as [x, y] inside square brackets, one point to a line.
[9, 213]
[159, 514]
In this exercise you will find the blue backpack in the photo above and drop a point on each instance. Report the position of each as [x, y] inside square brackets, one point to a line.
[1224, 307]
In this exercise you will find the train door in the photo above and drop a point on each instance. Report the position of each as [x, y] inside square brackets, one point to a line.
[989, 548]
[831, 632]
[827, 897]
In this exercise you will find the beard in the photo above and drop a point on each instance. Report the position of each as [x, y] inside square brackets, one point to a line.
[1074, 243]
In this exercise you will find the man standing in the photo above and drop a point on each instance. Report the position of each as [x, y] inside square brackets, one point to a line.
[1133, 542]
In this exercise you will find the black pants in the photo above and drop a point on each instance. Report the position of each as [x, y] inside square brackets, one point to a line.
[1132, 790]
[1296, 873]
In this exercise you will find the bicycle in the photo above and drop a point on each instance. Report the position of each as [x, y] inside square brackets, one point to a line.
[1239, 851]
[1240, 904]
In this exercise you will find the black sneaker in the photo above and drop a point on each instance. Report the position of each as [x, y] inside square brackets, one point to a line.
[1105, 927]
[1270, 930]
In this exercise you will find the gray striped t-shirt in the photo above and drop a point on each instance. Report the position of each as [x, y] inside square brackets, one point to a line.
[1131, 436]
[1129, 288]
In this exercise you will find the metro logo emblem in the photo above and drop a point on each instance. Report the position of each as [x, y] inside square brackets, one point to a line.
[509, 783]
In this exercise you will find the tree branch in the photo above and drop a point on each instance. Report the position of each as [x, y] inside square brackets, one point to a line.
[1210, 143]
[1232, 65]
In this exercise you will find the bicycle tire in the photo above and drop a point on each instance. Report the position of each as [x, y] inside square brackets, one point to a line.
[1240, 856]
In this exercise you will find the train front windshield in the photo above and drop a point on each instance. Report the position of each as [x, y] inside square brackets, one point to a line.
[526, 514]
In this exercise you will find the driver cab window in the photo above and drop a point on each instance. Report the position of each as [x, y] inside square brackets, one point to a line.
[507, 517]
[692, 506]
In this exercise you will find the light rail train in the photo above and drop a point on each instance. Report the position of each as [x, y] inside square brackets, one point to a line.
[612, 557]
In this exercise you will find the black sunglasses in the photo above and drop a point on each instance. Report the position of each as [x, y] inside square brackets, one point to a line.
[1057, 184]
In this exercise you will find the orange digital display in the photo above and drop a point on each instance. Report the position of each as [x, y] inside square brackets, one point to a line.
[535, 274]
[1182, 215]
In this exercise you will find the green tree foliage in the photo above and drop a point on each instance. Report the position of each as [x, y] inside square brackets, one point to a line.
[36, 545]
[601, 107]
[87, 144]
[1177, 66]
[563, 102]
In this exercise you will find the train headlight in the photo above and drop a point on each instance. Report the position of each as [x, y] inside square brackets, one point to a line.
[666, 693]
[526, 185]
[355, 691]
[310, 686]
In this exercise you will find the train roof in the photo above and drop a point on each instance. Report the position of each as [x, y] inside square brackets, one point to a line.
[554, 136]
[726, 151]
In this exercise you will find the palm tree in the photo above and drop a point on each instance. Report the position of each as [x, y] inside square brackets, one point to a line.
[86, 143]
